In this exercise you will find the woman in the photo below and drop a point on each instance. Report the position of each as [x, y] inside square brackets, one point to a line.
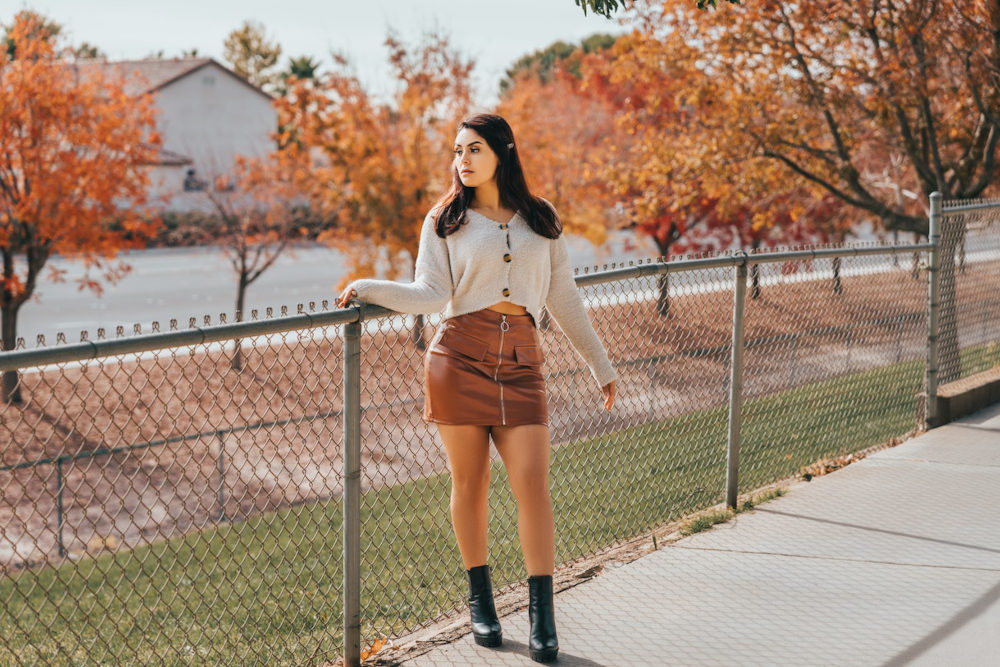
[491, 255]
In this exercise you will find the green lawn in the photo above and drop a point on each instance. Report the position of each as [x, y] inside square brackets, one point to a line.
[267, 590]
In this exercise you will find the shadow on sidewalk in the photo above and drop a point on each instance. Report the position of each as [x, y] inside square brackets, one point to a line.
[879, 530]
[914, 651]
[513, 646]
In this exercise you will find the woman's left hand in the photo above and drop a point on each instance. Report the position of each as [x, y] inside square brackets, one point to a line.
[345, 296]
[609, 394]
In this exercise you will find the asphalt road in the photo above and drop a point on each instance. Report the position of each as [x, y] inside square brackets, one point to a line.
[194, 282]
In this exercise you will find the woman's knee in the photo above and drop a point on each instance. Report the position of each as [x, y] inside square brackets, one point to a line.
[471, 484]
[531, 486]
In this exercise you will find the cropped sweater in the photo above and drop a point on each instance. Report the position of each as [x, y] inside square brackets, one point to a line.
[484, 262]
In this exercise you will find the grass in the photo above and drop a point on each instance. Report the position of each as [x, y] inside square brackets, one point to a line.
[268, 590]
[706, 520]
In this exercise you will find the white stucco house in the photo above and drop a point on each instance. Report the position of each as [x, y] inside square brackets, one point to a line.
[206, 115]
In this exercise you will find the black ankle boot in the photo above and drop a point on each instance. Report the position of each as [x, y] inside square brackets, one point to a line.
[542, 641]
[485, 624]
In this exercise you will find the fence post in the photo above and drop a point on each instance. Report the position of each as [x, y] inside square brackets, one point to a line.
[934, 238]
[736, 385]
[351, 481]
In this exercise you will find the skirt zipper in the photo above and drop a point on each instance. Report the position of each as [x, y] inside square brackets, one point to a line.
[496, 375]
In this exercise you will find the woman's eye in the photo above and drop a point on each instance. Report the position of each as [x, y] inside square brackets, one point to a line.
[473, 150]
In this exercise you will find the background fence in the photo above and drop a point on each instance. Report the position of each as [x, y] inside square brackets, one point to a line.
[156, 505]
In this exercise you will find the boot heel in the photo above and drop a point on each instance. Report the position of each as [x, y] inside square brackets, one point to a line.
[491, 640]
[545, 655]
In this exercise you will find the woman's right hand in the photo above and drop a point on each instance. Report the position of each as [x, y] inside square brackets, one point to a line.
[345, 296]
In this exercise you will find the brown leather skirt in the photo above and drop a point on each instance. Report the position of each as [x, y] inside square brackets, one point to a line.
[485, 368]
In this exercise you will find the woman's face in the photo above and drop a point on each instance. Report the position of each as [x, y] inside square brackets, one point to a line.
[475, 162]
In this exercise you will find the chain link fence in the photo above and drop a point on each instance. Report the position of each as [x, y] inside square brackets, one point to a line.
[969, 318]
[157, 505]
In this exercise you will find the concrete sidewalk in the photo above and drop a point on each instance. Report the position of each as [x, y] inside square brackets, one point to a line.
[892, 560]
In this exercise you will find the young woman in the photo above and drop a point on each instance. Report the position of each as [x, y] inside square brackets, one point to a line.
[492, 255]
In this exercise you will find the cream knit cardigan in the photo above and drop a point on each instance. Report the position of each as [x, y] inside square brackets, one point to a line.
[470, 269]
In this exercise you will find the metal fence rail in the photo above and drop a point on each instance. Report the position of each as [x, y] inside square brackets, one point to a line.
[297, 509]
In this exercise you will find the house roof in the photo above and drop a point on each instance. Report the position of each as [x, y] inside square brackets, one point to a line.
[171, 159]
[147, 76]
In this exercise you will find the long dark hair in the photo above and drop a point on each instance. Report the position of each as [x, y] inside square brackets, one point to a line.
[514, 193]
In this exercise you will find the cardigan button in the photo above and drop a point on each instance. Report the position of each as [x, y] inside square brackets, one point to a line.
[506, 292]
[506, 257]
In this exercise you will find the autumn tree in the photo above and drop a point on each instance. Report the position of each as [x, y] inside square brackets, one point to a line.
[569, 139]
[833, 91]
[301, 67]
[48, 30]
[252, 55]
[259, 214]
[378, 166]
[604, 130]
[72, 175]
[565, 55]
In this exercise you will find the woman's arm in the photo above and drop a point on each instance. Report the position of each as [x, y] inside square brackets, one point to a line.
[431, 288]
[566, 305]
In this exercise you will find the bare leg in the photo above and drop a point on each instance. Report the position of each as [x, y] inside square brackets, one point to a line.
[468, 449]
[525, 453]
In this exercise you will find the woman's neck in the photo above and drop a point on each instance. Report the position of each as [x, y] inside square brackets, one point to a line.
[487, 196]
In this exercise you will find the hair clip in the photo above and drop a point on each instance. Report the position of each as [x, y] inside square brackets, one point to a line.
[510, 145]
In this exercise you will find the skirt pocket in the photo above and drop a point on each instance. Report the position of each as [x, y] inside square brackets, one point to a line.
[528, 355]
[455, 341]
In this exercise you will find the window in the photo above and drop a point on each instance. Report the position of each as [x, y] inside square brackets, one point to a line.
[192, 183]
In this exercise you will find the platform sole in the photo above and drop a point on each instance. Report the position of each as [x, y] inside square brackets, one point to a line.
[489, 641]
[545, 655]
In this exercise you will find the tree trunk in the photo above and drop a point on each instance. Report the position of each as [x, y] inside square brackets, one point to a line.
[663, 282]
[545, 321]
[11, 379]
[241, 291]
[663, 296]
[417, 335]
[949, 366]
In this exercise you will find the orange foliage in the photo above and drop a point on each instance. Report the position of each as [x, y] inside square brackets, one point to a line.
[376, 169]
[612, 147]
[671, 180]
[72, 176]
[824, 95]
[567, 140]
[72, 156]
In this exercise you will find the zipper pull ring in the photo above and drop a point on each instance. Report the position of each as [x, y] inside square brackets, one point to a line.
[503, 323]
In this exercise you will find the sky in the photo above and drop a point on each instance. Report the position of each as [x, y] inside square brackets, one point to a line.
[495, 34]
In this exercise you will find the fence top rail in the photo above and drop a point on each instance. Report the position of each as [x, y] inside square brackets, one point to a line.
[98, 349]
[678, 266]
[969, 205]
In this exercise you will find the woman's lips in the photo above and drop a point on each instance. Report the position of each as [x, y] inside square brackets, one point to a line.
[466, 171]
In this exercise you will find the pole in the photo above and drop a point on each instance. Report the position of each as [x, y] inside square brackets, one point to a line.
[352, 493]
[736, 385]
[933, 287]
